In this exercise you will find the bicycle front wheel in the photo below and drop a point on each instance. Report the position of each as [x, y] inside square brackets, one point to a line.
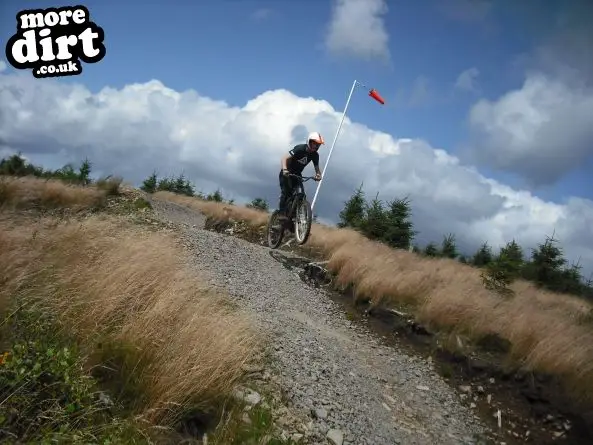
[275, 230]
[303, 220]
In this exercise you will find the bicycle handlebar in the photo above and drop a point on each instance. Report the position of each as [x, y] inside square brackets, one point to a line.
[302, 178]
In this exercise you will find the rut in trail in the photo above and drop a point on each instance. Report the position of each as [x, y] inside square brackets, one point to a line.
[372, 394]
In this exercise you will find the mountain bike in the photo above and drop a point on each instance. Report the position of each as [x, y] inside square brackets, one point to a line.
[299, 216]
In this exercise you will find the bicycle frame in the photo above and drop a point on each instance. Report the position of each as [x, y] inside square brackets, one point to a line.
[297, 192]
[297, 196]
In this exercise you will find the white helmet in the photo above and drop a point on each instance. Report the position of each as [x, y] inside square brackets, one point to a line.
[316, 138]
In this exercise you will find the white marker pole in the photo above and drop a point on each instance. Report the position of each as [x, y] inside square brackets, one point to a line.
[333, 144]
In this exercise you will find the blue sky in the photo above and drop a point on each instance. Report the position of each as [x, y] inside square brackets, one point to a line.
[216, 48]
[532, 90]
[234, 50]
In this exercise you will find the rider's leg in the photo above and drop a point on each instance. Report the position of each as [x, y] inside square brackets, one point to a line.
[284, 193]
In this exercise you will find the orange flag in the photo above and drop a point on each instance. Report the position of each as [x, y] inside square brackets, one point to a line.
[375, 95]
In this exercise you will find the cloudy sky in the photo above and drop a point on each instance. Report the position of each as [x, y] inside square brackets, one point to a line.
[488, 125]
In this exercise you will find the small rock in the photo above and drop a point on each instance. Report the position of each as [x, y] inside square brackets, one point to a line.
[422, 388]
[297, 436]
[246, 419]
[335, 436]
[252, 398]
[465, 388]
[319, 413]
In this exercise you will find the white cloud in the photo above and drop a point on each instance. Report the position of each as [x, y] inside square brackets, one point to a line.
[541, 131]
[133, 130]
[357, 28]
[467, 80]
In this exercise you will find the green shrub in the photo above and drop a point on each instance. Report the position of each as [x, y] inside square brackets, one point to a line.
[47, 394]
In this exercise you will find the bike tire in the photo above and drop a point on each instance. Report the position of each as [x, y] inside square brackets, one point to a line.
[273, 244]
[301, 234]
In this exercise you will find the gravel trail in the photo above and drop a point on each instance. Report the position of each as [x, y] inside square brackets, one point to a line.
[354, 388]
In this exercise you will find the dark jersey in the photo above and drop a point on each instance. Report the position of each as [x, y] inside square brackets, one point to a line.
[300, 158]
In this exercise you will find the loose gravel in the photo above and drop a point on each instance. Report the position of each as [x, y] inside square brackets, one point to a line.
[356, 390]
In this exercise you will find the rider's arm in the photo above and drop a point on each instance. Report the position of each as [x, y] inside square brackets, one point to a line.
[284, 160]
[316, 164]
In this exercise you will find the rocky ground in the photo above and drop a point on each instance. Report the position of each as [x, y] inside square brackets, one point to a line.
[348, 385]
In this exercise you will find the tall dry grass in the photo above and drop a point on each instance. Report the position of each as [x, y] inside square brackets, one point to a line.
[23, 192]
[547, 331]
[180, 344]
[217, 210]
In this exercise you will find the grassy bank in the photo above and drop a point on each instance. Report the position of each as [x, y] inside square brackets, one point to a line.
[35, 193]
[547, 332]
[107, 335]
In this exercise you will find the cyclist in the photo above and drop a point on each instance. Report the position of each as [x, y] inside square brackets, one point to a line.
[294, 163]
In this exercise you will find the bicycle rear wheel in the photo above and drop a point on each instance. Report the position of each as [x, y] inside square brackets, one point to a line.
[275, 230]
[303, 220]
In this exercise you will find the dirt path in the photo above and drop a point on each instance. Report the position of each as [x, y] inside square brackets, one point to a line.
[331, 369]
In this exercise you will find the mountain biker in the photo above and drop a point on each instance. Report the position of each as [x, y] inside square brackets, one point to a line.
[294, 163]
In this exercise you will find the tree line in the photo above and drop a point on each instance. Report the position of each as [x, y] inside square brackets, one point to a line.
[179, 185]
[390, 223]
[182, 186]
[16, 165]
